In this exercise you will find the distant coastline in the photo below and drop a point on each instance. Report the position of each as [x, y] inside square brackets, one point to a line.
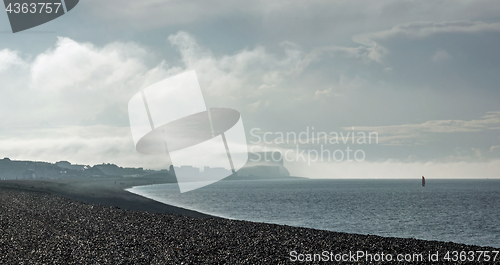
[63, 170]
[105, 183]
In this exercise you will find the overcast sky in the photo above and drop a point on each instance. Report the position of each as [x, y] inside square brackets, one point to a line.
[424, 75]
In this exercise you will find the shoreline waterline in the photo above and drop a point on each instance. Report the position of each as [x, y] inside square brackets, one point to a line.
[59, 230]
[444, 210]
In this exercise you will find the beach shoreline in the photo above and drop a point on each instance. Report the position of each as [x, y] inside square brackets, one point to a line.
[75, 223]
[108, 191]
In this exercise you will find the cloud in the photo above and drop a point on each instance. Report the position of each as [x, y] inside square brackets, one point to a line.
[440, 56]
[75, 81]
[254, 106]
[9, 58]
[393, 134]
[78, 144]
[495, 150]
[81, 84]
[315, 22]
[73, 65]
[333, 91]
[323, 93]
[379, 43]
[420, 30]
[369, 52]
[249, 73]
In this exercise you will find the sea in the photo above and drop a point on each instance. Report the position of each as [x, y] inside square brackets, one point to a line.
[460, 211]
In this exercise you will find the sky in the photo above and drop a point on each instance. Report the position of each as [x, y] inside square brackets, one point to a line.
[422, 75]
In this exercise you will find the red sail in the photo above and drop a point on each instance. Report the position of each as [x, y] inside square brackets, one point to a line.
[423, 181]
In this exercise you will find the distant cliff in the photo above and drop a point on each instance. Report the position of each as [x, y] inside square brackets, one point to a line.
[263, 165]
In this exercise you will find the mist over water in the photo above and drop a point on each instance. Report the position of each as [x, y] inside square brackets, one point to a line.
[461, 211]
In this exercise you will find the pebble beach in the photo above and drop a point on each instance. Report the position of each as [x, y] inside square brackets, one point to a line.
[45, 228]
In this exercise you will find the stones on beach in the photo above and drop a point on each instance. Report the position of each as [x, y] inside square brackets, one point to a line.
[39, 228]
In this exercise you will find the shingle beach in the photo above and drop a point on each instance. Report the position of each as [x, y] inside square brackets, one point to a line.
[38, 227]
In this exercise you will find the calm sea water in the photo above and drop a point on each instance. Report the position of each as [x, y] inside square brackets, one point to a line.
[462, 211]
